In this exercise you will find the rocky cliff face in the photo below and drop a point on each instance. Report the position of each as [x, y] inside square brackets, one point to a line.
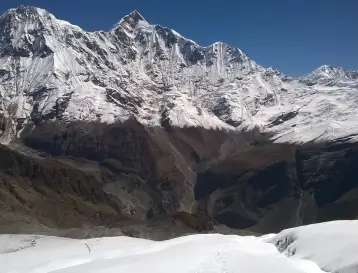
[130, 172]
[139, 122]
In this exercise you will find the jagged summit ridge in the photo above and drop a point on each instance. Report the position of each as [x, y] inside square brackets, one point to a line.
[132, 19]
[25, 10]
[329, 75]
[134, 16]
[50, 69]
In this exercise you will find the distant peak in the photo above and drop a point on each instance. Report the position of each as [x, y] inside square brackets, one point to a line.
[22, 13]
[25, 11]
[135, 15]
[29, 10]
[324, 67]
[329, 71]
[326, 73]
[23, 8]
[329, 68]
[132, 19]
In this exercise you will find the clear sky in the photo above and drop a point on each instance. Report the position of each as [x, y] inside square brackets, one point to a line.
[294, 36]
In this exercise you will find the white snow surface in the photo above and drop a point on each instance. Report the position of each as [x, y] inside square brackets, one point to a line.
[211, 253]
[325, 247]
[51, 69]
[333, 246]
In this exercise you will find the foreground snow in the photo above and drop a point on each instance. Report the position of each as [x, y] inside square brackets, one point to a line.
[332, 247]
[196, 253]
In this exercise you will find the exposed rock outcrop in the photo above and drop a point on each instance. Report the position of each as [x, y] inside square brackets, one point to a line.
[91, 173]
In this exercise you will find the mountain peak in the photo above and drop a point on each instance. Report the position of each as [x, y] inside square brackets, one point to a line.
[28, 11]
[135, 15]
[23, 8]
[23, 12]
[131, 20]
[327, 74]
[329, 68]
[330, 71]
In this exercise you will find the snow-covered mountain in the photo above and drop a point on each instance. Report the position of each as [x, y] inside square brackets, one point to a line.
[328, 75]
[51, 69]
[139, 122]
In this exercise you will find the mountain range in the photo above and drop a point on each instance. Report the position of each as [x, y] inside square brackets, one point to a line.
[139, 122]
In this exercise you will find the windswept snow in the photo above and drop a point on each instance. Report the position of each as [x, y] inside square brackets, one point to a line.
[326, 247]
[194, 254]
[332, 245]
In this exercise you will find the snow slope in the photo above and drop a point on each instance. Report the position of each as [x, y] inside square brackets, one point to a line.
[50, 69]
[196, 253]
[332, 245]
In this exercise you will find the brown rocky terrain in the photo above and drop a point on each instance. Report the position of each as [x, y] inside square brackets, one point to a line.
[132, 179]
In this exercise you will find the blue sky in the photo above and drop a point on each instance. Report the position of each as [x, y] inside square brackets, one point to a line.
[294, 36]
